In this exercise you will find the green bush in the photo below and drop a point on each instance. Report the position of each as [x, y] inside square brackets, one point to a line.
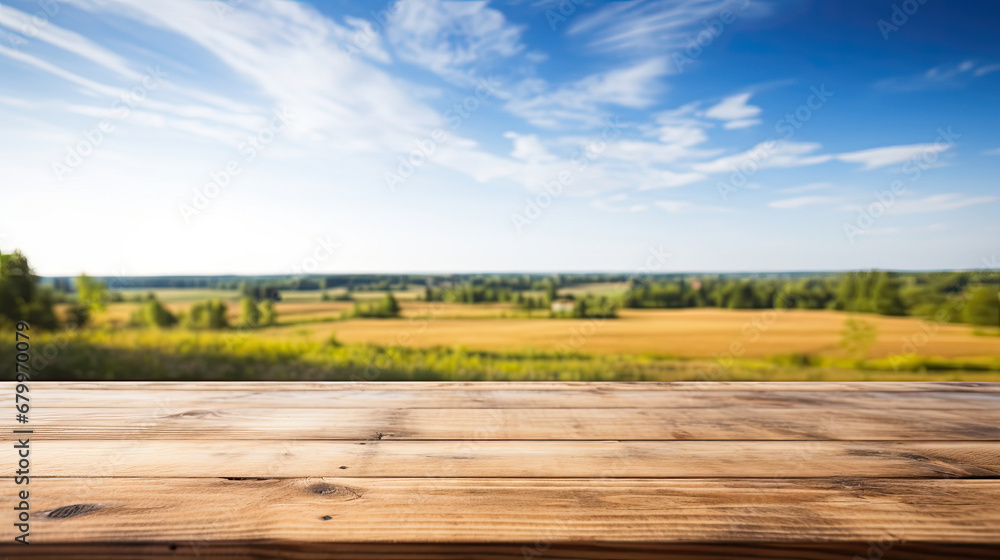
[982, 307]
[249, 313]
[385, 308]
[207, 315]
[21, 297]
[268, 315]
[152, 313]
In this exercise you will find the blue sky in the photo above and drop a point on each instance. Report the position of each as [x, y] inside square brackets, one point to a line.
[252, 136]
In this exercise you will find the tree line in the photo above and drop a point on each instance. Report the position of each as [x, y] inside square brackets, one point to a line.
[24, 298]
[967, 297]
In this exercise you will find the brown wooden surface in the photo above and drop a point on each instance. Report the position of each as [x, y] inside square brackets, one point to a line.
[521, 470]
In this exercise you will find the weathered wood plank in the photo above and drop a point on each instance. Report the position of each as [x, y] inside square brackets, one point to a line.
[46, 396]
[512, 510]
[625, 424]
[511, 470]
[528, 459]
[541, 550]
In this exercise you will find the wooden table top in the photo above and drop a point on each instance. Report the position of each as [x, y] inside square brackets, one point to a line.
[507, 470]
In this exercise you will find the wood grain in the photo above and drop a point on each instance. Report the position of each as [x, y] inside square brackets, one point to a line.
[513, 510]
[514, 459]
[509, 470]
[269, 550]
[735, 423]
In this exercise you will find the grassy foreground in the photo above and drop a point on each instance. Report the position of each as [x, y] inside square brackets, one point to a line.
[179, 355]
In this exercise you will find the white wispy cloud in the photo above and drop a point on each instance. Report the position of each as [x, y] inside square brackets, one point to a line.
[735, 112]
[68, 41]
[741, 123]
[456, 40]
[800, 201]
[661, 24]
[685, 207]
[936, 203]
[669, 180]
[940, 77]
[528, 147]
[768, 154]
[617, 204]
[292, 56]
[891, 155]
[584, 101]
[988, 69]
[807, 188]
[733, 108]
[933, 203]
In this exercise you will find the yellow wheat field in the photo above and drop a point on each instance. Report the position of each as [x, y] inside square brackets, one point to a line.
[692, 333]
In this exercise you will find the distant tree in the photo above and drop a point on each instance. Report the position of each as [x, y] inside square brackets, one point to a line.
[207, 315]
[272, 293]
[390, 304]
[982, 306]
[885, 295]
[586, 307]
[268, 315]
[91, 296]
[21, 296]
[741, 296]
[847, 291]
[384, 308]
[78, 315]
[91, 292]
[551, 291]
[152, 313]
[249, 313]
